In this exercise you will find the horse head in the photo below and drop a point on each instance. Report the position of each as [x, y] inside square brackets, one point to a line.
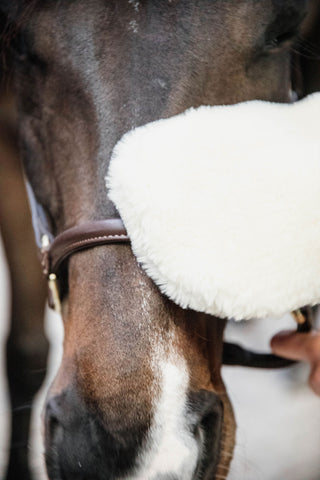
[139, 393]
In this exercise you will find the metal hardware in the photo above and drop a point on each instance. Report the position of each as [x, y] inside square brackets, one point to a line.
[299, 317]
[45, 242]
[54, 299]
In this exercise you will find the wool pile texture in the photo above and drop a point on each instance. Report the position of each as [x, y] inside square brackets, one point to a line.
[222, 206]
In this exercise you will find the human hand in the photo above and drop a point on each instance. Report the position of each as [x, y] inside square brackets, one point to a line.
[302, 347]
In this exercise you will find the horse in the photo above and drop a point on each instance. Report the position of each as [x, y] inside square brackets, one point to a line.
[139, 392]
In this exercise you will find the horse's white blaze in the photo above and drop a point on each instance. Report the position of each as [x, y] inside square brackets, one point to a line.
[171, 448]
[174, 449]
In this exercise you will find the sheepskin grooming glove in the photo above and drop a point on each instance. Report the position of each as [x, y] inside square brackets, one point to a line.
[222, 206]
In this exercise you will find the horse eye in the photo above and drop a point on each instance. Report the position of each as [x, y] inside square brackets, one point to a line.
[22, 49]
[281, 41]
[284, 29]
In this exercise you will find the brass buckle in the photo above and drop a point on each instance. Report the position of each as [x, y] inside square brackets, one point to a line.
[304, 318]
[54, 298]
[53, 291]
[299, 317]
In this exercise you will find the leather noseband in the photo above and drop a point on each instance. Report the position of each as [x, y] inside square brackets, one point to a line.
[75, 239]
[84, 236]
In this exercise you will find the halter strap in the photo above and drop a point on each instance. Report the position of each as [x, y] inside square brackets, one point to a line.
[81, 237]
[55, 251]
[75, 239]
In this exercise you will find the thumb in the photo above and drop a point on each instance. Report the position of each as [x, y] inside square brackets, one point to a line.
[314, 379]
[296, 345]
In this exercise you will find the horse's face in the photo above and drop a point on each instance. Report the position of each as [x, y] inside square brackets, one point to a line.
[139, 393]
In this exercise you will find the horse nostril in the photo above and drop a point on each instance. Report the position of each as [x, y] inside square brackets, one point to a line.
[206, 411]
[53, 424]
[206, 414]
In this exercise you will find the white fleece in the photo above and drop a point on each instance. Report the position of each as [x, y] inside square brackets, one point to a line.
[222, 205]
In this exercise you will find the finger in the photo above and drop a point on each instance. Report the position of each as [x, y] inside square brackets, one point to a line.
[297, 346]
[314, 379]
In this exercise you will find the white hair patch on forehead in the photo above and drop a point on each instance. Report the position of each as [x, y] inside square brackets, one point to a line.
[222, 206]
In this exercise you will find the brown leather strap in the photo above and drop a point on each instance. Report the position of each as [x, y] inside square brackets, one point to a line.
[235, 355]
[81, 237]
